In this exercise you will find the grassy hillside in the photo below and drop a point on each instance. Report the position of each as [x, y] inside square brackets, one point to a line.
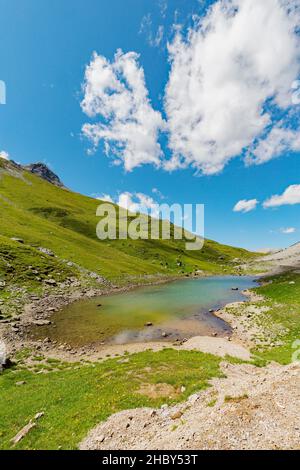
[75, 397]
[44, 215]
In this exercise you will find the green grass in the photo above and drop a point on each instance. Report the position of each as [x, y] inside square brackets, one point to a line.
[77, 398]
[65, 222]
[282, 296]
[22, 264]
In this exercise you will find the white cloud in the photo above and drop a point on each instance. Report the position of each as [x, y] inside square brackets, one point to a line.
[4, 155]
[288, 230]
[230, 80]
[278, 141]
[290, 196]
[133, 202]
[243, 53]
[163, 6]
[245, 205]
[154, 40]
[116, 93]
[105, 197]
[158, 193]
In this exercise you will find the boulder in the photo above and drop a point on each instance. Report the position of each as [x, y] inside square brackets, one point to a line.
[18, 240]
[41, 322]
[46, 251]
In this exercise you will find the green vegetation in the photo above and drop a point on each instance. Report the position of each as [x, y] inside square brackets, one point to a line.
[282, 296]
[230, 399]
[26, 266]
[74, 398]
[44, 215]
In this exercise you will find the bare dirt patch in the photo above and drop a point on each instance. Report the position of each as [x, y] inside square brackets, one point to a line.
[266, 417]
[158, 390]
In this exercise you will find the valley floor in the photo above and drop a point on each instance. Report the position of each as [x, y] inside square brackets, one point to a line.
[249, 409]
[208, 393]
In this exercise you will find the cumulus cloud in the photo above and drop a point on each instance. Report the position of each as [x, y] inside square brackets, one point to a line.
[4, 155]
[243, 55]
[116, 93]
[290, 196]
[245, 205]
[278, 141]
[288, 230]
[133, 202]
[229, 92]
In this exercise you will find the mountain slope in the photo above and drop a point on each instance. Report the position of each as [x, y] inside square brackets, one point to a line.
[45, 215]
[289, 257]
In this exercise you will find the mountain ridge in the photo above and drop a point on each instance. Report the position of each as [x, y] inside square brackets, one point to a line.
[46, 215]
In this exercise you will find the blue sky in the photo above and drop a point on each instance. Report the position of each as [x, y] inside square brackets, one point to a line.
[46, 47]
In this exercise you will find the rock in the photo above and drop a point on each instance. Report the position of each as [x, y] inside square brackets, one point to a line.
[50, 282]
[176, 415]
[182, 389]
[149, 323]
[41, 170]
[46, 251]
[47, 340]
[24, 431]
[193, 398]
[21, 382]
[164, 334]
[18, 240]
[39, 415]
[234, 288]
[211, 310]
[41, 322]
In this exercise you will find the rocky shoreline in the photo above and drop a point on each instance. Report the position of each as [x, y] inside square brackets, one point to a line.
[15, 332]
[37, 311]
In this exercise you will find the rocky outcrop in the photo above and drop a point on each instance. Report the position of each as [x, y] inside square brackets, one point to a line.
[41, 170]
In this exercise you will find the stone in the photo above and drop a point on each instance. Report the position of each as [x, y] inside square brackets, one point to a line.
[21, 382]
[24, 431]
[50, 282]
[41, 322]
[18, 240]
[176, 415]
[46, 251]
[149, 323]
[193, 398]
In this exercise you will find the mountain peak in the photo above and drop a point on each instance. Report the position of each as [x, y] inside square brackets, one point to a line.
[41, 170]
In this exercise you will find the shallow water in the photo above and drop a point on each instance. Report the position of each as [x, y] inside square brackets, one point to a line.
[180, 309]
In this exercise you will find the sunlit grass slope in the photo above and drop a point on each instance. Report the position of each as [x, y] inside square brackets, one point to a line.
[44, 215]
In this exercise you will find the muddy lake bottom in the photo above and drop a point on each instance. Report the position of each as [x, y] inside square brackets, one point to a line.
[172, 311]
